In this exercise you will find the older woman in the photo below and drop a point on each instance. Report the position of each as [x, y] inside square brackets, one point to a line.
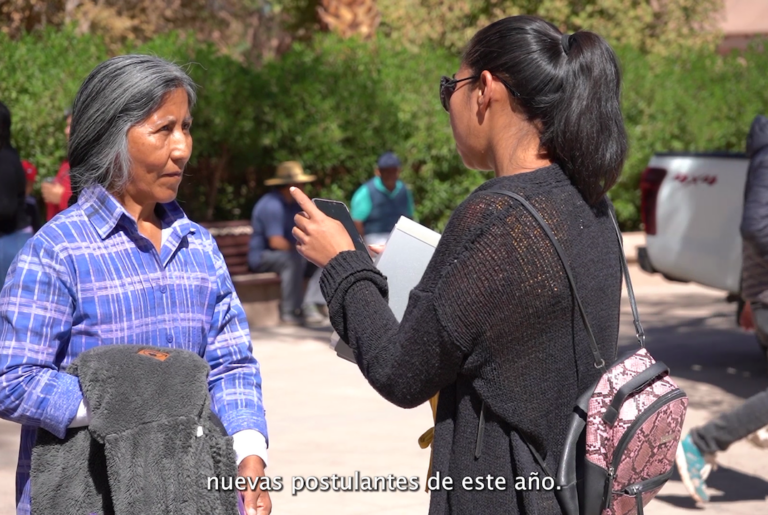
[492, 322]
[124, 265]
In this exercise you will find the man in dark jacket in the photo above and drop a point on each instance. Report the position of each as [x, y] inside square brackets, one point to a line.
[695, 455]
[13, 207]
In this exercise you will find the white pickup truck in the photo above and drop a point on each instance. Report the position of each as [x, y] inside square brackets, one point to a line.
[691, 207]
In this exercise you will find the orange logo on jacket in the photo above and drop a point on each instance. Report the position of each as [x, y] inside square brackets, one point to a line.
[162, 356]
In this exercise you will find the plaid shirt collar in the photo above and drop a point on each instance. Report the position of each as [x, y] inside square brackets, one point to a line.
[105, 213]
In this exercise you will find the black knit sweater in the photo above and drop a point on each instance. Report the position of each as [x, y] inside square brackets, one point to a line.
[492, 319]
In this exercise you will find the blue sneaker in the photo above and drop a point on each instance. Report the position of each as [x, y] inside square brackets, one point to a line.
[693, 468]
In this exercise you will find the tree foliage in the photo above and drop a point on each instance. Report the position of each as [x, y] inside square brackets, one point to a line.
[247, 30]
[652, 26]
[335, 104]
[41, 73]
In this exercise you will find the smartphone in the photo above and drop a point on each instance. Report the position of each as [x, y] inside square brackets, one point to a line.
[339, 211]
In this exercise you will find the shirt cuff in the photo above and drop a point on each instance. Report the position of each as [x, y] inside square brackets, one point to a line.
[249, 442]
[62, 405]
[83, 416]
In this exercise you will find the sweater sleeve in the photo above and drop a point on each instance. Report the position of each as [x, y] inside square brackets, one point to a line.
[407, 362]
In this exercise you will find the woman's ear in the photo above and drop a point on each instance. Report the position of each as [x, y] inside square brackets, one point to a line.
[485, 87]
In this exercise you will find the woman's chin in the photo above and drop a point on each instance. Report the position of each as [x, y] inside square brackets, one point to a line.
[166, 193]
[468, 159]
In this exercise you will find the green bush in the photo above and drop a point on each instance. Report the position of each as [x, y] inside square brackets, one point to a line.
[39, 77]
[336, 104]
[695, 102]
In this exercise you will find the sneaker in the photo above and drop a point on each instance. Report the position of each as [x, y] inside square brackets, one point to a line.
[291, 319]
[313, 317]
[759, 438]
[694, 468]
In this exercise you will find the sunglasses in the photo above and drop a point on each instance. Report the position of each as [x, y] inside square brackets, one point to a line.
[448, 86]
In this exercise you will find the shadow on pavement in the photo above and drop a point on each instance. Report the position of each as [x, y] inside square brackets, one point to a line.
[735, 485]
[700, 342]
[287, 333]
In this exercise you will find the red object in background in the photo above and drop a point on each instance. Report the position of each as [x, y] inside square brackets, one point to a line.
[745, 319]
[696, 179]
[650, 182]
[62, 177]
[30, 170]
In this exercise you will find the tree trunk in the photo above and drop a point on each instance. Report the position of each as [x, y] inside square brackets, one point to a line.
[215, 180]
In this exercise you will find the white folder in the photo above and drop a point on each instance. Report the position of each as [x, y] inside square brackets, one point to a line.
[405, 258]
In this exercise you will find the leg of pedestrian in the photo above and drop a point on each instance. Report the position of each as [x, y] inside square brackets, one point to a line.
[290, 266]
[312, 298]
[695, 455]
[760, 318]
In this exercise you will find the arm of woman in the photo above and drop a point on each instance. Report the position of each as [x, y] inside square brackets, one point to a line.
[36, 307]
[235, 378]
[407, 362]
[235, 385]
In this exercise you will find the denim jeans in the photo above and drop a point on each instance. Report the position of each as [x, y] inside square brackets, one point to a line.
[718, 434]
[10, 245]
[289, 265]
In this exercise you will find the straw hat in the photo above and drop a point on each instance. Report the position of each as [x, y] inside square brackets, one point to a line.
[289, 172]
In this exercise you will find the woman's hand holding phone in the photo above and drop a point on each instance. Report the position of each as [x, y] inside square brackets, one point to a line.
[319, 238]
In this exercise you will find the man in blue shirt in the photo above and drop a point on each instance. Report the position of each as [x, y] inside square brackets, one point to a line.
[379, 203]
[273, 247]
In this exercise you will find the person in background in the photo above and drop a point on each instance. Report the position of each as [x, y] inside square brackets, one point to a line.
[13, 188]
[31, 202]
[696, 451]
[273, 247]
[56, 193]
[378, 204]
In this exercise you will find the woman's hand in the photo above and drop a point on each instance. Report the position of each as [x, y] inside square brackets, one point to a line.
[52, 192]
[256, 502]
[319, 238]
[375, 249]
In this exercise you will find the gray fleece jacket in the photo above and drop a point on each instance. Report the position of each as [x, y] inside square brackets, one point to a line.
[151, 444]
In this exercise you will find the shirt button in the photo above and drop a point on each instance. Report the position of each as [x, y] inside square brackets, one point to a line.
[169, 338]
[163, 289]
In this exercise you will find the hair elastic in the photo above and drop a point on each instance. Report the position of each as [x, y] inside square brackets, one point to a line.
[566, 42]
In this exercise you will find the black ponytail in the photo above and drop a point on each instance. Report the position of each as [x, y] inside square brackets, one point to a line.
[569, 87]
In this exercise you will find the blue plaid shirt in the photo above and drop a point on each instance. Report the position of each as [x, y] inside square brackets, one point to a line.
[89, 278]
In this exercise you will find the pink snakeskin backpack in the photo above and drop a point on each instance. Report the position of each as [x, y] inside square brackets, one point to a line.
[623, 432]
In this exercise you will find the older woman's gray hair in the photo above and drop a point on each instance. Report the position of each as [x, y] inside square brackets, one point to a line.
[118, 94]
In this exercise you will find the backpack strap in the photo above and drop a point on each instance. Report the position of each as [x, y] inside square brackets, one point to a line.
[639, 332]
[599, 361]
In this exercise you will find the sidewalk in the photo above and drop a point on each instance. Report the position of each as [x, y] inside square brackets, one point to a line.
[325, 419]
[633, 240]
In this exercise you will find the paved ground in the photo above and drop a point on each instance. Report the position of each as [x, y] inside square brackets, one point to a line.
[324, 419]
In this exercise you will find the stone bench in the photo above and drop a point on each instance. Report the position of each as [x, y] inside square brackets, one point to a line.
[259, 293]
